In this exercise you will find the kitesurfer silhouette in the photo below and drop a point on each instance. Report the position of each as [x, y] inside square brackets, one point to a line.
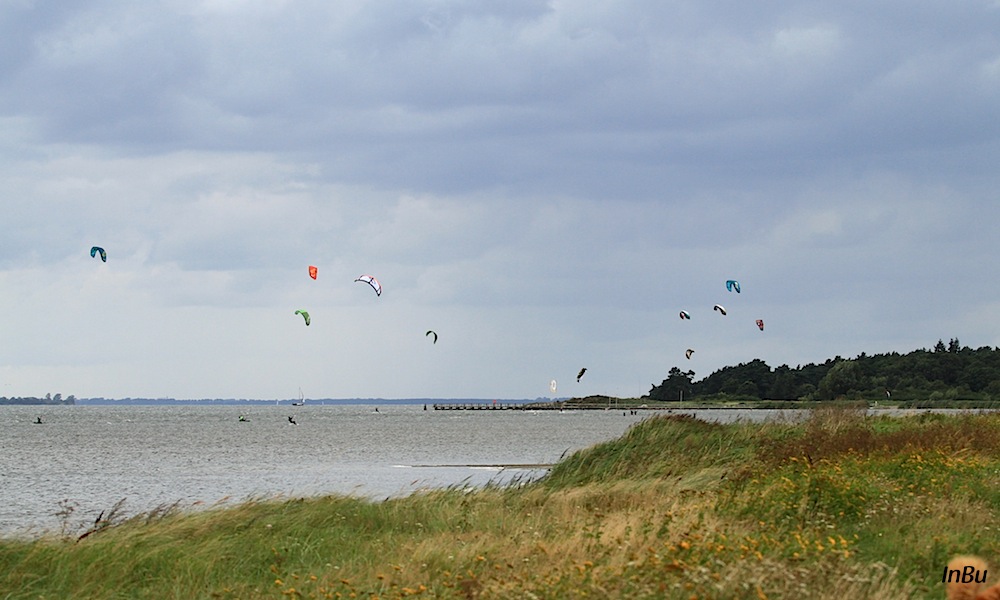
[291, 420]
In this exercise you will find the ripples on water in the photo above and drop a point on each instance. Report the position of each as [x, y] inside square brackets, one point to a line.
[89, 457]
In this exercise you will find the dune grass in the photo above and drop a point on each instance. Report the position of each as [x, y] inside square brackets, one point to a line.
[840, 506]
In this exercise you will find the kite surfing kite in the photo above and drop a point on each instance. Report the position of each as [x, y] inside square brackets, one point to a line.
[553, 386]
[372, 282]
[305, 316]
[733, 286]
[98, 250]
[760, 324]
[685, 315]
[580, 374]
[313, 271]
[429, 332]
[688, 354]
[719, 308]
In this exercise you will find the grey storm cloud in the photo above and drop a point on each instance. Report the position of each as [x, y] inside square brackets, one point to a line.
[448, 96]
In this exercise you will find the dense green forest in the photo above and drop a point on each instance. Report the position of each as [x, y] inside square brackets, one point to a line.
[947, 372]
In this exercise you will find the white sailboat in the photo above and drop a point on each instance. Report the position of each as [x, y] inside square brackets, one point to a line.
[302, 399]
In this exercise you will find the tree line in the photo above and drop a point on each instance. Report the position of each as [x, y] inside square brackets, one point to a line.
[55, 399]
[945, 372]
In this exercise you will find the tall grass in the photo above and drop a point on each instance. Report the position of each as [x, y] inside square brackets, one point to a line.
[656, 448]
[840, 506]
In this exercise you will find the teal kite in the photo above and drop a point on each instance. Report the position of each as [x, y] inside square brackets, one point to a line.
[98, 250]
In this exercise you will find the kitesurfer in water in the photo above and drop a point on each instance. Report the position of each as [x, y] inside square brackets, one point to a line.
[38, 420]
[291, 420]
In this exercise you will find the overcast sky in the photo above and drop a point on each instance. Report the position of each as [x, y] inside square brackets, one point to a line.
[544, 184]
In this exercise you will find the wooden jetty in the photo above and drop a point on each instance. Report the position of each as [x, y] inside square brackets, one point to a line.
[524, 406]
[479, 406]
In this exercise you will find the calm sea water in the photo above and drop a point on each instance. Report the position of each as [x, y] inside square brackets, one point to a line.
[83, 459]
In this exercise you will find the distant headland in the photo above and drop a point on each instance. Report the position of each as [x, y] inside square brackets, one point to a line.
[48, 400]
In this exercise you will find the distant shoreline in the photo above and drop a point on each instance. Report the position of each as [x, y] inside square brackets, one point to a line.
[590, 402]
[34, 402]
[253, 402]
